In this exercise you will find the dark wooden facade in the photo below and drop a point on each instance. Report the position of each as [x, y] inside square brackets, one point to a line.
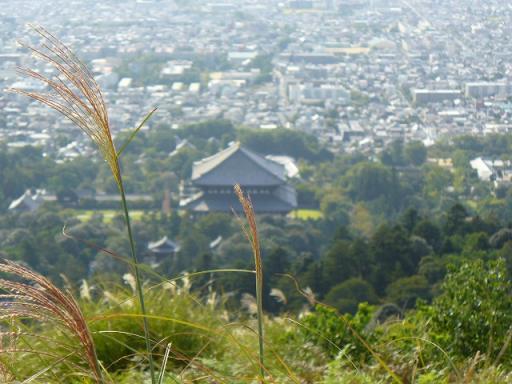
[213, 178]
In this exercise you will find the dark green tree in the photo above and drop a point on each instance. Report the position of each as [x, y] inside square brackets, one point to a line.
[405, 291]
[346, 296]
[456, 220]
[369, 181]
[393, 254]
[430, 232]
[415, 153]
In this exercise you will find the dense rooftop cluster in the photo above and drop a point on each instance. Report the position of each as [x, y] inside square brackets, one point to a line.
[356, 73]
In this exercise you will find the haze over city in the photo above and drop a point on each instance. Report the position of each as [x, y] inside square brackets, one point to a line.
[357, 74]
[255, 191]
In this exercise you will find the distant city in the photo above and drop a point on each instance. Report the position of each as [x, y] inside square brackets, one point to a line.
[357, 74]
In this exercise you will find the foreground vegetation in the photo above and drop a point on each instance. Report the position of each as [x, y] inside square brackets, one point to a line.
[463, 336]
[359, 287]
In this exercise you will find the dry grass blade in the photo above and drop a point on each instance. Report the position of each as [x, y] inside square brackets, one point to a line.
[505, 346]
[6, 375]
[279, 295]
[39, 299]
[251, 232]
[164, 363]
[248, 302]
[468, 377]
[73, 92]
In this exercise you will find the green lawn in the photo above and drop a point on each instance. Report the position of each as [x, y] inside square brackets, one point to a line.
[307, 214]
[108, 214]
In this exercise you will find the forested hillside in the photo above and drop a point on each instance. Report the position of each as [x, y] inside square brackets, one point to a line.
[394, 267]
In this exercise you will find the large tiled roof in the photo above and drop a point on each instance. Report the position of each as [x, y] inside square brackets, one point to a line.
[237, 165]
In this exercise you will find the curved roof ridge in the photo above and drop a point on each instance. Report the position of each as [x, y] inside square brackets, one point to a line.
[212, 161]
[204, 166]
[275, 168]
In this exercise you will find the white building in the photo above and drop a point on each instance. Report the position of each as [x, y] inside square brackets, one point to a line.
[479, 90]
[496, 171]
[483, 167]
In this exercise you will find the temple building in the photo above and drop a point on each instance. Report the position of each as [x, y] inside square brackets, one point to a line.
[28, 202]
[159, 250]
[164, 246]
[211, 186]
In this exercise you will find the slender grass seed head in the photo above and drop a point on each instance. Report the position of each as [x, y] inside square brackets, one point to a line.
[73, 92]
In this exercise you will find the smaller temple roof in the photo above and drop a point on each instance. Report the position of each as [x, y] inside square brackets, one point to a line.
[27, 201]
[215, 243]
[163, 246]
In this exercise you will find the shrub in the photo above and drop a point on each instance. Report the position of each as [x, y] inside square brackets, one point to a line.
[475, 309]
[326, 328]
[347, 295]
[407, 290]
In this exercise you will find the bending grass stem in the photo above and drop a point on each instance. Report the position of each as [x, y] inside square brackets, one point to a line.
[259, 289]
[137, 279]
[251, 232]
[259, 303]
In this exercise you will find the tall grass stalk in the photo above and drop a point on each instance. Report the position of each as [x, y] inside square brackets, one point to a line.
[251, 232]
[39, 299]
[74, 93]
[138, 280]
